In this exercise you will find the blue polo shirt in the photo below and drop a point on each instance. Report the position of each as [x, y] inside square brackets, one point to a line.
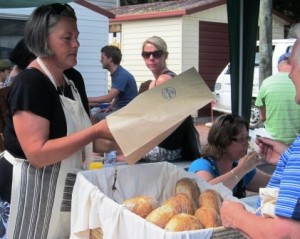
[286, 177]
[126, 84]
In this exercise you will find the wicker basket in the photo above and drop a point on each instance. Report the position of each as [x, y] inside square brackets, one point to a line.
[218, 233]
[96, 233]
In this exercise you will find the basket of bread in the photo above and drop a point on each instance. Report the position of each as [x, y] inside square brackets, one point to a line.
[157, 200]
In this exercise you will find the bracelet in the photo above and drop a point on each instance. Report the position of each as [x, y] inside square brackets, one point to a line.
[236, 177]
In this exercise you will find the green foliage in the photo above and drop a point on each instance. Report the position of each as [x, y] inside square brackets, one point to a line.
[289, 8]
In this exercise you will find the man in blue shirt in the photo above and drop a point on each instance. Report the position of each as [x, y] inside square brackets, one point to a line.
[123, 89]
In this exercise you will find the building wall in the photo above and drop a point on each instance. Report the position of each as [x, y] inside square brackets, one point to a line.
[93, 28]
[278, 28]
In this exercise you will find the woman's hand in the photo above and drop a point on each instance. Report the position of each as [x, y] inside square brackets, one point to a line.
[270, 150]
[249, 161]
[103, 131]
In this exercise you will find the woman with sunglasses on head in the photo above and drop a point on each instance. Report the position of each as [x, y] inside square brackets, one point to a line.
[225, 158]
[48, 136]
[183, 143]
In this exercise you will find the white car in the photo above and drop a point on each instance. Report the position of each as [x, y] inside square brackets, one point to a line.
[222, 89]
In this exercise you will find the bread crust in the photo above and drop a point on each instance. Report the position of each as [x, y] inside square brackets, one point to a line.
[141, 205]
[190, 187]
[208, 217]
[210, 199]
[183, 222]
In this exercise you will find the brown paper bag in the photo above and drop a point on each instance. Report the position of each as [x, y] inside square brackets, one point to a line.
[152, 116]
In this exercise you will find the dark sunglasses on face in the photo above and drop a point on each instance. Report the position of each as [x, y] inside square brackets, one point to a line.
[155, 54]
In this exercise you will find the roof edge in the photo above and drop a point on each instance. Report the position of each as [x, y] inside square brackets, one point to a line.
[206, 7]
[280, 15]
[133, 17]
[95, 8]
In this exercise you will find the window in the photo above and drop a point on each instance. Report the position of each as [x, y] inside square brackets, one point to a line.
[11, 31]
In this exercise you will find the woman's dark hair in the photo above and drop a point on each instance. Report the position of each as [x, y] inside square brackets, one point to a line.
[220, 135]
[41, 22]
[20, 55]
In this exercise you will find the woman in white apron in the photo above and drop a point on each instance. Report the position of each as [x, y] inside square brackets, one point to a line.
[49, 134]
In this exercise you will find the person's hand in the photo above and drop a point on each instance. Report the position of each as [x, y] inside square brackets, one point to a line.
[108, 109]
[229, 212]
[249, 161]
[102, 130]
[270, 150]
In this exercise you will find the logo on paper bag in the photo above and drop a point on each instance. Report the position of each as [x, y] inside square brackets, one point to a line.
[168, 93]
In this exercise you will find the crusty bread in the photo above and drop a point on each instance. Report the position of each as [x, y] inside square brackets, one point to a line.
[161, 215]
[210, 199]
[183, 222]
[181, 203]
[190, 187]
[141, 205]
[208, 217]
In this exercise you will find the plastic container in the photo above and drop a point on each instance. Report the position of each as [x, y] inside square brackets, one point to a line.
[96, 165]
[110, 158]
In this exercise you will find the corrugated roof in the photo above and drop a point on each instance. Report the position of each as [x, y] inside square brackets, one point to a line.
[182, 7]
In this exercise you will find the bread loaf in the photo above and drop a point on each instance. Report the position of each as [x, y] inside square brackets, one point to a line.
[210, 199]
[161, 215]
[208, 217]
[183, 222]
[181, 203]
[190, 187]
[141, 205]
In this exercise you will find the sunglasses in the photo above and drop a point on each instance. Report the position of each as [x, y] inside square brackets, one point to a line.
[63, 10]
[155, 54]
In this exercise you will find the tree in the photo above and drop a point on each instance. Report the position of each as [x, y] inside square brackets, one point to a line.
[289, 8]
[265, 40]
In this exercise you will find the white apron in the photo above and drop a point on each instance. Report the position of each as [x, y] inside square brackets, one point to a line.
[41, 198]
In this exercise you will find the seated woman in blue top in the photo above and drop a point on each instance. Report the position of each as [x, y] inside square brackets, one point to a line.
[225, 157]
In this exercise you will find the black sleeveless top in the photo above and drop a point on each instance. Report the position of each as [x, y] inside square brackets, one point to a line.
[185, 136]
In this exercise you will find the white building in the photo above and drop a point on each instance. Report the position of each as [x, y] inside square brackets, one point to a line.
[93, 25]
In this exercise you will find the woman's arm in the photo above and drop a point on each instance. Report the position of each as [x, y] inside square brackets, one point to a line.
[40, 151]
[231, 178]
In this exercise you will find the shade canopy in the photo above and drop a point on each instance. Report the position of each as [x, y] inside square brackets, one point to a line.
[243, 26]
[28, 3]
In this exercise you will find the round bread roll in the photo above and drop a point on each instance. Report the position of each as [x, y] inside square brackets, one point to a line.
[210, 199]
[208, 217]
[190, 187]
[183, 222]
[181, 203]
[161, 215]
[141, 205]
